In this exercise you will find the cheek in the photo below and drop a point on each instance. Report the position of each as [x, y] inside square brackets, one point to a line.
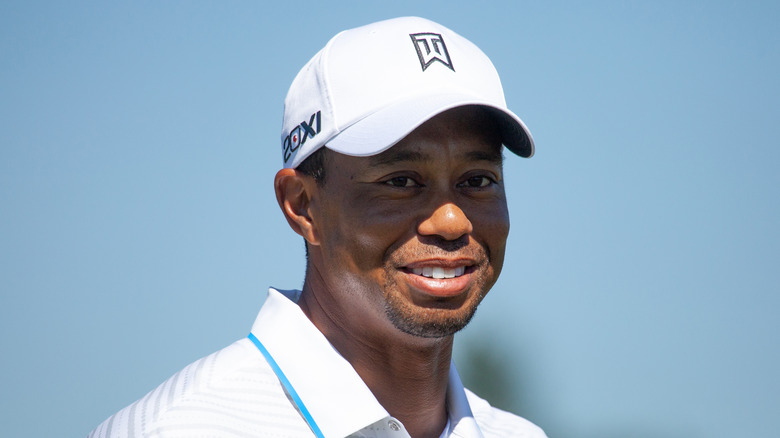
[491, 218]
[363, 236]
[491, 227]
[500, 226]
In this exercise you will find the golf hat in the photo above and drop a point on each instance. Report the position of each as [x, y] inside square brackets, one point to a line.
[371, 86]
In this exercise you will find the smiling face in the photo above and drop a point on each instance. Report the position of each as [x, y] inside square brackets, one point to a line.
[412, 238]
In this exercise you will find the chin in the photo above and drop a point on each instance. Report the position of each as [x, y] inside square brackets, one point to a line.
[430, 322]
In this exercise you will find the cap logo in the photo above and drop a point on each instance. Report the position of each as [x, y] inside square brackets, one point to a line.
[300, 134]
[431, 48]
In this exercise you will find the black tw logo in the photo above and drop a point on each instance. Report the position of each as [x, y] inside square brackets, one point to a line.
[300, 134]
[430, 48]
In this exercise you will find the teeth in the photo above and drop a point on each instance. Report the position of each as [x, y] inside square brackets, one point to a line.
[439, 272]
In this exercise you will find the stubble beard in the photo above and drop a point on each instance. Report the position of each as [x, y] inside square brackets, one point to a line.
[429, 323]
[433, 322]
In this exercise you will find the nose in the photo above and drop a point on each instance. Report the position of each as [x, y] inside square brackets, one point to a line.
[447, 221]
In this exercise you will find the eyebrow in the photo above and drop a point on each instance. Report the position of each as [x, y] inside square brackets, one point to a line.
[495, 156]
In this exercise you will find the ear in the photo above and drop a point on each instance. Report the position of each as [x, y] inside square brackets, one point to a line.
[294, 192]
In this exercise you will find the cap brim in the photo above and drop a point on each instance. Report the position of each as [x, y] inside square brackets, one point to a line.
[382, 129]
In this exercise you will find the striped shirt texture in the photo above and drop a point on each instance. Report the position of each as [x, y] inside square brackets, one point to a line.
[236, 393]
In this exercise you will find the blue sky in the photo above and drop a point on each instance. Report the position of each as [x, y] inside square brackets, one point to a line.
[139, 232]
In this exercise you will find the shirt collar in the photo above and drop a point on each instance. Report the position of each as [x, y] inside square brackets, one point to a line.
[335, 395]
[462, 423]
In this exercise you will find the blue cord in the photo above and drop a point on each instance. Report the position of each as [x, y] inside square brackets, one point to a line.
[296, 399]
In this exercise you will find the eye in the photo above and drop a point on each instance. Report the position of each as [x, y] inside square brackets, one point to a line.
[478, 181]
[402, 181]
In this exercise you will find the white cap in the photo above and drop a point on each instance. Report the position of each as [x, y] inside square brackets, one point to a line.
[371, 86]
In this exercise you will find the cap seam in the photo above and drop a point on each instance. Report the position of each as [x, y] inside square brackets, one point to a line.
[325, 85]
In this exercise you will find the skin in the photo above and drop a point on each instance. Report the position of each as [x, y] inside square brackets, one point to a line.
[435, 199]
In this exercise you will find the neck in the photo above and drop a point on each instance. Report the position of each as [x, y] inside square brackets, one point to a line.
[411, 383]
[412, 386]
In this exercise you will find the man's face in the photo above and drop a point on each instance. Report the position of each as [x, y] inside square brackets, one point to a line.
[414, 236]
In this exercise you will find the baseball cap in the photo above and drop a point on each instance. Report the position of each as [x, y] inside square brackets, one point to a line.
[371, 86]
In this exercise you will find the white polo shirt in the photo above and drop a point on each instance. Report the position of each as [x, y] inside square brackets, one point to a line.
[236, 392]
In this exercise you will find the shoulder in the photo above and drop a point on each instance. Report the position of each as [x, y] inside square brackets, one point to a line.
[230, 392]
[494, 422]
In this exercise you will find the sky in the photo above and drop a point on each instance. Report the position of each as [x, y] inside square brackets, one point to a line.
[640, 291]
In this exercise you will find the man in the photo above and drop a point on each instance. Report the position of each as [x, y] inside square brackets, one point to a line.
[392, 149]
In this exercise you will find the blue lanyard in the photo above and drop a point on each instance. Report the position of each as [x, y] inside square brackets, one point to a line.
[287, 386]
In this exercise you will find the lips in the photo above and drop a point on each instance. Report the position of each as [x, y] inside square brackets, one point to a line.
[440, 278]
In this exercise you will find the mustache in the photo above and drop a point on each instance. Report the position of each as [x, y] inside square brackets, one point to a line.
[435, 247]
